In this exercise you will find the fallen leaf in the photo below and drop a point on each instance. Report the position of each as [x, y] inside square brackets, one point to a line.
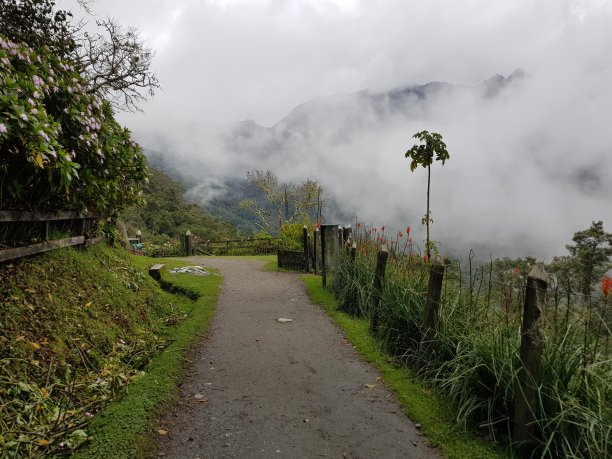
[42, 442]
[38, 159]
[370, 386]
[35, 345]
[50, 297]
[88, 305]
[162, 431]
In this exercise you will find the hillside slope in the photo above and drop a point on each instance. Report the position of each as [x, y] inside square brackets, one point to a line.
[167, 214]
[77, 326]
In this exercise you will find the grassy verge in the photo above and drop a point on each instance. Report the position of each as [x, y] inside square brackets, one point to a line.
[419, 402]
[124, 428]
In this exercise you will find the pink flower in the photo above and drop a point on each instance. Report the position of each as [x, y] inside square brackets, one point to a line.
[37, 81]
[3, 128]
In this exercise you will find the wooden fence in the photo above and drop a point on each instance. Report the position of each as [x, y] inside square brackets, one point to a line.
[24, 233]
[291, 259]
[525, 414]
[244, 246]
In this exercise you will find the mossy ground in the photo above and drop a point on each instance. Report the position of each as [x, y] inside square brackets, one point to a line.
[76, 328]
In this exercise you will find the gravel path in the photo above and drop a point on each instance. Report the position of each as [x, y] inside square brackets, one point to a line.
[260, 388]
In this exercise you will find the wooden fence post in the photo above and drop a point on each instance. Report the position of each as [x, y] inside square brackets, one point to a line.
[305, 236]
[379, 277]
[323, 260]
[316, 243]
[431, 320]
[353, 252]
[526, 430]
[188, 243]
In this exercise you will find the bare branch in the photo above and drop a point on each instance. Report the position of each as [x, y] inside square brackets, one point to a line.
[118, 65]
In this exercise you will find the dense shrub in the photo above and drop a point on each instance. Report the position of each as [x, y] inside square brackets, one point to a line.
[291, 237]
[60, 147]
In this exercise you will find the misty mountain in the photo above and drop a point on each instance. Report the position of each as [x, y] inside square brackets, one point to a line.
[339, 116]
[328, 121]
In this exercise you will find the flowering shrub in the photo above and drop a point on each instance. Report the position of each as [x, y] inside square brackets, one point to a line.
[60, 147]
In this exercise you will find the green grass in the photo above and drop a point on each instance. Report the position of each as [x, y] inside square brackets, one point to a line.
[124, 429]
[419, 402]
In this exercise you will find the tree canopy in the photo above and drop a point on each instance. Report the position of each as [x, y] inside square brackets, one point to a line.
[285, 202]
[114, 62]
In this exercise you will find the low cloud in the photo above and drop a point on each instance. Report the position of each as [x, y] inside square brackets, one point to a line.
[530, 164]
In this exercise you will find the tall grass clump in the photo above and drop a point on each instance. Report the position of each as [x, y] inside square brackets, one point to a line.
[475, 360]
[351, 286]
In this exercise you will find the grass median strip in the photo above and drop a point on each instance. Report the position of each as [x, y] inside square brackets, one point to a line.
[124, 428]
[419, 402]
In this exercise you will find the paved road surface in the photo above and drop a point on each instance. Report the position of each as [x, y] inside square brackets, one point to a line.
[259, 388]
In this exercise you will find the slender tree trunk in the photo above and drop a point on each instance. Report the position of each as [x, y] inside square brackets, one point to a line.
[427, 248]
[286, 206]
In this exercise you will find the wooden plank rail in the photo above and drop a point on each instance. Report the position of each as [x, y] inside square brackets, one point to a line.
[20, 217]
[43, 215]
[18, 252]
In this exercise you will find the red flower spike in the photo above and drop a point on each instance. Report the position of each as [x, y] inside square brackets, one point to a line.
[408, 228]
[606, 285]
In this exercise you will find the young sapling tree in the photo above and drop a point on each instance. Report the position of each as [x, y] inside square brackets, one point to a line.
[431, 148]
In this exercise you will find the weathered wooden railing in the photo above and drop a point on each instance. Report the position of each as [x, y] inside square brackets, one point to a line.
[44, 220]
[244, 246]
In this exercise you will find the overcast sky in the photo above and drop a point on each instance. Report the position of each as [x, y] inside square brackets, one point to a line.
[229, 60]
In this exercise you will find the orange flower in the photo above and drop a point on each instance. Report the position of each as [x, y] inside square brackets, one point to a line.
[606, 285]
[380, 239]
[400, 234]
[383, 228]
[408, 228]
